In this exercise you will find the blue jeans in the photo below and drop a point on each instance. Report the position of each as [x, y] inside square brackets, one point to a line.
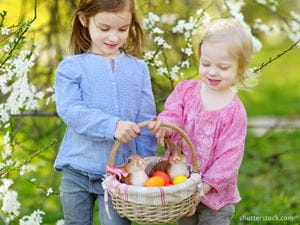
[78, 192]
[207, 216]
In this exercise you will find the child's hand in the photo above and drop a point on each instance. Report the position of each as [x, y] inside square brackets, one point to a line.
[126, 131]
[159, 131]
[196, 203]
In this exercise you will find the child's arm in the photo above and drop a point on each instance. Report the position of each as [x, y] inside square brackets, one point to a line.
[228, 153]
[146, 143]
[173, 113]
[93, 123]
[174, 105]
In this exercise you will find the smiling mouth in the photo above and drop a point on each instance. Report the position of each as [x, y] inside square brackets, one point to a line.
[111, 45]
[213, 82]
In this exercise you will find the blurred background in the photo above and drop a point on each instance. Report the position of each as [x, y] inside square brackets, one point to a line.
[269, 176]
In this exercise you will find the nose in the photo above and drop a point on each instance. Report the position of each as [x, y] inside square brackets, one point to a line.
[113, 37]
[212, 71]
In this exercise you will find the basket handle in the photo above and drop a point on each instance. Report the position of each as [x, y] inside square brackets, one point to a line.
[116, 145]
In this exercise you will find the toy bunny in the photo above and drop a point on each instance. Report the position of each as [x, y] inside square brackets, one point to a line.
[135, 166]
[176, 164]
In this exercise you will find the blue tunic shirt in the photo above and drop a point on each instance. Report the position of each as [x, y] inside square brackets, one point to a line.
[92, 94]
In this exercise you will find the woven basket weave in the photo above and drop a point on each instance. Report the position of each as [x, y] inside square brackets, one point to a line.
[150, 212]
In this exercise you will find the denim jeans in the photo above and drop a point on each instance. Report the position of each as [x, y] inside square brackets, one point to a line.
[207, 216]
[78, 192]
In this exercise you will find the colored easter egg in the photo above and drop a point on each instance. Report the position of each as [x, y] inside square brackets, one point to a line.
[179, 179]
[164, 176]
[154, 181]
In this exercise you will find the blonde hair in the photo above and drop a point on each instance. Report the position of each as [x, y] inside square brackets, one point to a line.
[239, 38]
[80, 37]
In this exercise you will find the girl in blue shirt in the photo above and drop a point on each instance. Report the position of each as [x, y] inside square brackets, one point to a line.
[102, 92]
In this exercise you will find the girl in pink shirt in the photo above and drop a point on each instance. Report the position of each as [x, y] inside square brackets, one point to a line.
[214, 118]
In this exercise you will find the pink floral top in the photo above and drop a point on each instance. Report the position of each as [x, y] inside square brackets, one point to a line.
[218, 136]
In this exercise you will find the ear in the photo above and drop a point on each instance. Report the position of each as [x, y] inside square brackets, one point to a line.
[83, 19]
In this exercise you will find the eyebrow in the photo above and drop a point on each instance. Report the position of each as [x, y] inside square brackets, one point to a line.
[220, 63]
[107, 25]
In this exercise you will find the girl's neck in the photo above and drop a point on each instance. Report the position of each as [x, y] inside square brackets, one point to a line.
[109, 57]
[215, 100]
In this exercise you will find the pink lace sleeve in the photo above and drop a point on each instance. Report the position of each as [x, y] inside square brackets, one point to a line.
[174, 105]
[228, 152]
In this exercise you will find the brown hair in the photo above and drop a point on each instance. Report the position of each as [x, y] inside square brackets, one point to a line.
[237, 36]
[80, 37]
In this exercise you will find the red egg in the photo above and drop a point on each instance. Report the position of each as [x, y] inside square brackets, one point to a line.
[164, 176]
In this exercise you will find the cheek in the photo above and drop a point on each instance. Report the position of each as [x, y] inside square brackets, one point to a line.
[124, 35]
[202, 70]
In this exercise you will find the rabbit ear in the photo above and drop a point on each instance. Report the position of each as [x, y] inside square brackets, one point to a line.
[180, 145]
[170, 145]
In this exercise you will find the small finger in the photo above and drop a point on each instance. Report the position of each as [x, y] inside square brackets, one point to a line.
[191, 212]
[136, 129]
[151, 125]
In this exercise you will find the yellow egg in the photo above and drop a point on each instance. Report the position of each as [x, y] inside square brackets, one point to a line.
[179, 179]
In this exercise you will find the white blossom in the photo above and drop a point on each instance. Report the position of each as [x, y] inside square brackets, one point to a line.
[26, 168]
[157, 30]
[162, 70]
[149, 55]
[60, 222]
[6, 48]
[263, 2]
[168, 18]
[295, 16]
[10, 204]
[174, 71]
[185, 64]
[188, 51]
[256, 44]
[5, 31]
[49, 191]
[235, 8]
[34, 219]
[161, 42]
[158, 63]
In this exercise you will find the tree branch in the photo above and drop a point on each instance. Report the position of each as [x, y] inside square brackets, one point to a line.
[276, 57]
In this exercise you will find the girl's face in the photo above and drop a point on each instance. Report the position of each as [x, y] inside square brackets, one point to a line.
[109, 31]
[218, 68]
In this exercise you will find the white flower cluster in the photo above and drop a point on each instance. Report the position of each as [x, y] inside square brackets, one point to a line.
[6, 154]
[272, 4]
[234, 7]
[34, 219]
[294, 27]
[21, 95]
[10, 204]
[185, 28]
[26, 169]
[5, 31]
[60, 222]
[259, 25]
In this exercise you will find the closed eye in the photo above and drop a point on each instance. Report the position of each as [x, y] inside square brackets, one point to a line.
[224, 67]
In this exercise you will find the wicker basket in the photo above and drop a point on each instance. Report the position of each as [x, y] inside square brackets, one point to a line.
[140, 204]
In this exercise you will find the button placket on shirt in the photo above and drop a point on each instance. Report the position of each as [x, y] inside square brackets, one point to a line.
[114, 88]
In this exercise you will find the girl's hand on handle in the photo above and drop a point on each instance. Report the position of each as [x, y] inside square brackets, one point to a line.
[196, 203]
[206, 189]
[159, 131]
[126, 131]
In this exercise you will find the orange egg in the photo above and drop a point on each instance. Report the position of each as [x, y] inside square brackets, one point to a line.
[164, 176]
[154, 181]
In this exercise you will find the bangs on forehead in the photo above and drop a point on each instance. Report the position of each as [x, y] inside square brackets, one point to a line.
[114, 5]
